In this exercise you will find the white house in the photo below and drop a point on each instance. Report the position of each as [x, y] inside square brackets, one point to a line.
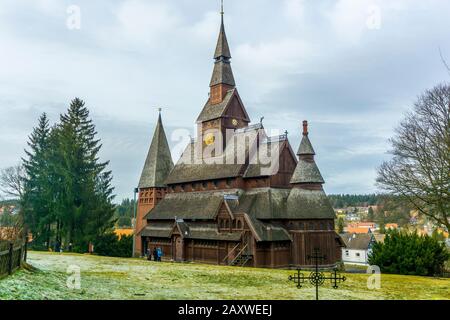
[358, 247]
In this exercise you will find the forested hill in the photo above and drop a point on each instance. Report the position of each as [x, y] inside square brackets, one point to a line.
[9, 203]
[354, 200]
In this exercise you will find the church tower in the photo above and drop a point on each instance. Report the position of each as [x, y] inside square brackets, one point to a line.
[306, 174]
[224, 109]
[151, 186]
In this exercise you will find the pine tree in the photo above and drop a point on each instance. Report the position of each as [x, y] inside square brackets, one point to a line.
[370, 214]
[37, 191]
[86, 197]
[340, 225]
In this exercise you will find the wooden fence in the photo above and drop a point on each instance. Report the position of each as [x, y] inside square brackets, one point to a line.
[11, 256]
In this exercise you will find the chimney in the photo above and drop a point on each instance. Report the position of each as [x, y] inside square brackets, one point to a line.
[305, 127]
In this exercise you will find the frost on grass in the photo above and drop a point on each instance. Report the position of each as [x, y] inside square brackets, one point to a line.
[119, 278]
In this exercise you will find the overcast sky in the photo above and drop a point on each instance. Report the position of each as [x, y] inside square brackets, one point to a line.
[351, 67]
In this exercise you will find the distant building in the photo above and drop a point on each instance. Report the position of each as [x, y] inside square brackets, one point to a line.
[390, 226]
[120, 232]
[361, 227]
[358, 247]
[352, 217]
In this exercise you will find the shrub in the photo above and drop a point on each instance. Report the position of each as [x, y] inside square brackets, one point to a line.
[111, 245]
[410, 254]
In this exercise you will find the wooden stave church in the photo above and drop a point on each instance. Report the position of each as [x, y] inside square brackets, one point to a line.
[233, 214]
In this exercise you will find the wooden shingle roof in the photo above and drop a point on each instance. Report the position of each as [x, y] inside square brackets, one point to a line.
[214, 111]
[306, 172]
[309, 204]
[159, 162]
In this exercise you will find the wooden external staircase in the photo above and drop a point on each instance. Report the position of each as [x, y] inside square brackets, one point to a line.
[241, 258]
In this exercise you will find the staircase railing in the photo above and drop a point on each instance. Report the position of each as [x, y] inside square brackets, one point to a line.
[238, 255]
[230, 252]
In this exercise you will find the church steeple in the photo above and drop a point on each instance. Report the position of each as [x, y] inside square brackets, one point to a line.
[159, 161]
[222, 48]
[222, 78]
[306, 173]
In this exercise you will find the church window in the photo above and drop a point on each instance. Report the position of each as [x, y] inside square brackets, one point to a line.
[239, 224]
[301, 226]
[226, 224]
[204, 185]
[216, 184]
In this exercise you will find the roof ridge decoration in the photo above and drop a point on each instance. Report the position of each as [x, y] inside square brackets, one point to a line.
[159, 162]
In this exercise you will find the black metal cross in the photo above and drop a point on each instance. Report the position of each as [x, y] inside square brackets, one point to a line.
[317, 277]
[298, 278]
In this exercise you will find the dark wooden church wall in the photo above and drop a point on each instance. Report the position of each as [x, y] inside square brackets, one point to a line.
[273, 254]
[306, 241]
[285, 170]
[163, 243]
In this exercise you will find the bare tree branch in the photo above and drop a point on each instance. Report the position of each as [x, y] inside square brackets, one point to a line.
[420, 168]
[11, 181]
[444, 62]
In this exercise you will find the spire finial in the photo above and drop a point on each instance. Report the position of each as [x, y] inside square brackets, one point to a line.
[159, 110]
[221, 7]
[305, 127]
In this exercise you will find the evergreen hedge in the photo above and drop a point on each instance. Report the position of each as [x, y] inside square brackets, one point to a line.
[409, 254]
[109, 244]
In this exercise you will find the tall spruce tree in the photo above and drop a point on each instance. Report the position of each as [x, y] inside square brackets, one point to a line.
[86, 195]
[37, 196]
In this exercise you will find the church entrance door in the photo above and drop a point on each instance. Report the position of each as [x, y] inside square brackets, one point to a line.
[179, 246]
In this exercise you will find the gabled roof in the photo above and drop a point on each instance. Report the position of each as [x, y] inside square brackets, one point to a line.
[189, 230]
[189, 205]
[213, 111]
[232, 163]
[266, 231]
[263, 203]
[357, 241]
[159, 162]
[306, 172]
[269, 167]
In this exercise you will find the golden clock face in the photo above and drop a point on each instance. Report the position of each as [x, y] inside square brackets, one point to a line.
[234, 122]
[209, 139]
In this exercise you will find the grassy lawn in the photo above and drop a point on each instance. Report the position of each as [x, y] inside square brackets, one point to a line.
[118, 278]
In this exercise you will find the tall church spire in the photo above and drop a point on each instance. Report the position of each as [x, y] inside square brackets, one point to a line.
[159, 161]
[222, 74]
